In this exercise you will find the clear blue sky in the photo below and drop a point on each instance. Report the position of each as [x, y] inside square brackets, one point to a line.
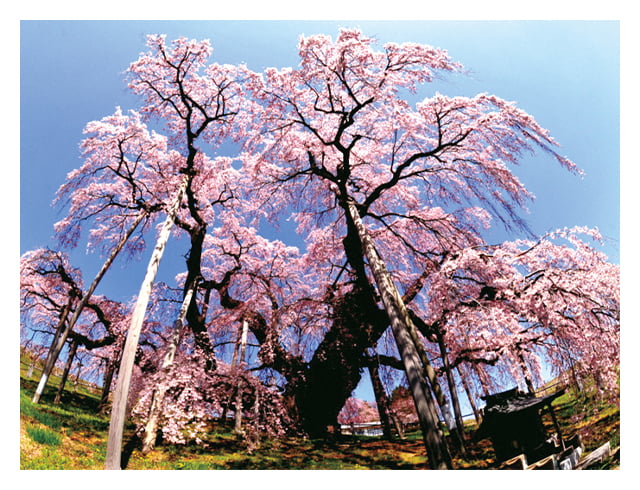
[564, 73]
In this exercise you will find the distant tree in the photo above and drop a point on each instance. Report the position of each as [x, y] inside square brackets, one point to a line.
[51, 294]
[356, 411]
[531, 301]
[403, 406]
[49, 288]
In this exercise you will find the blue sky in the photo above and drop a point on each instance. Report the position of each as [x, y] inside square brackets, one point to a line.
[564, 73]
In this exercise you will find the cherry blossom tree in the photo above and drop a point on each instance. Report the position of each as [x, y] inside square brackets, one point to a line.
[266, 286]
[530, 301]
[121, 393]
[194, 398]
[392, 199]
[47, 282]
[356, 411]
[50, 295]
[196, 103]
[110, 191]
[123, 180]
[192, 105]
[337, 135]
[49, 290]
[157, 398]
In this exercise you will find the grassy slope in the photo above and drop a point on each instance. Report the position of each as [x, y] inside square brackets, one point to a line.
[73, 436]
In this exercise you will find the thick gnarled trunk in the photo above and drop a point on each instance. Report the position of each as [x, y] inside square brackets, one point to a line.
[335, 369]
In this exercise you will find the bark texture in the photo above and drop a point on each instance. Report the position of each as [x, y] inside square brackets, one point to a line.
[121, 394]
[401, 325]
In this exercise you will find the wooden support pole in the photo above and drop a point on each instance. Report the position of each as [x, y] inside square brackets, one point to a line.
[121, 393]
[402, 327]
[157, 397]
[62, 338]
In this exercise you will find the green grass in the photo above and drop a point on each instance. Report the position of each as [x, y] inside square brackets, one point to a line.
[82, 392]
[66, 436]
[73, 435]
[44, 436]
[78, 413]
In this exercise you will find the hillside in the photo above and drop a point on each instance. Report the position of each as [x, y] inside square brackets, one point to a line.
[72, 436]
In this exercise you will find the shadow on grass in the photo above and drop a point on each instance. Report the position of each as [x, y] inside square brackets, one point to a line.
[77, 414]
[77, 417]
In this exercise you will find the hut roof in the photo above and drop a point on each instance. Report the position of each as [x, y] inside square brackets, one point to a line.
[514, 401]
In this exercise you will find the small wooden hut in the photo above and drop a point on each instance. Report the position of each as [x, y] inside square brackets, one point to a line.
[513, 422]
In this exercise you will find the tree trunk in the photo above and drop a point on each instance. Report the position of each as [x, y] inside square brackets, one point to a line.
[526, 373]
[119, 409]
[335, 368]
[157, 397]
[401, 325]
[109, 373]
[65, 373]
[255, 440]
[573, 378]
[382, 401]
[397, 423]
[54, 351]
[316, 390]
[483, 379]
[83, 302]
[76, 378]
[467, 390]
[32, 365]
[196, 318]
[237, 428]
[452, 390]
[432, 380]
